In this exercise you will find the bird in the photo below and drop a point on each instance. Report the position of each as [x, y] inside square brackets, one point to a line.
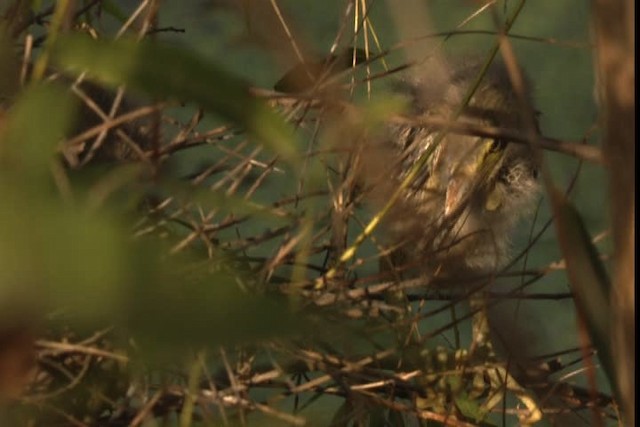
[452, 221]
[456, 218]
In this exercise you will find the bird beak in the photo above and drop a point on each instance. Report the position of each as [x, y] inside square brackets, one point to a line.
[457, 191]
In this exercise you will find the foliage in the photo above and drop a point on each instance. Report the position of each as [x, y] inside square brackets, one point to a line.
[181, 245]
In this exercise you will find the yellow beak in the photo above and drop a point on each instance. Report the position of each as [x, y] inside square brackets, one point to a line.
[456, 194]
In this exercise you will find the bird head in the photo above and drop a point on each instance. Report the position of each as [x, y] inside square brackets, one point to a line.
[472, 189]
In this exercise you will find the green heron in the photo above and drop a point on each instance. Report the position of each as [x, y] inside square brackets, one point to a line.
[456, 217]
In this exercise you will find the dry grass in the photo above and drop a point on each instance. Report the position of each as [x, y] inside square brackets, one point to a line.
[378, 348]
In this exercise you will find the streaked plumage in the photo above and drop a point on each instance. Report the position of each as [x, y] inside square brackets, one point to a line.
[457, 216]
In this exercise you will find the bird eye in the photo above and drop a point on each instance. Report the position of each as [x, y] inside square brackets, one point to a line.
[498, 144]
[504, 175]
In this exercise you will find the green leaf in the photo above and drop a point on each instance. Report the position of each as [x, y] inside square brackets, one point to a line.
[587, 275]
[61, 259]
[34, 126]
[86, 261]
[85, 265]
[174, 72]
[172, 305]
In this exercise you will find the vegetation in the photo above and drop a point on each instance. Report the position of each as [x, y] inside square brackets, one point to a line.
[180, 244]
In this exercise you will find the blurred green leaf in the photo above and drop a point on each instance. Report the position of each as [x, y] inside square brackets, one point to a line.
[86, 265]
[52, 256]
[34, 126]
[174, 72]
[587, 275]
[174, 307]
[61, 259]
[82, 261]
[87, 262]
